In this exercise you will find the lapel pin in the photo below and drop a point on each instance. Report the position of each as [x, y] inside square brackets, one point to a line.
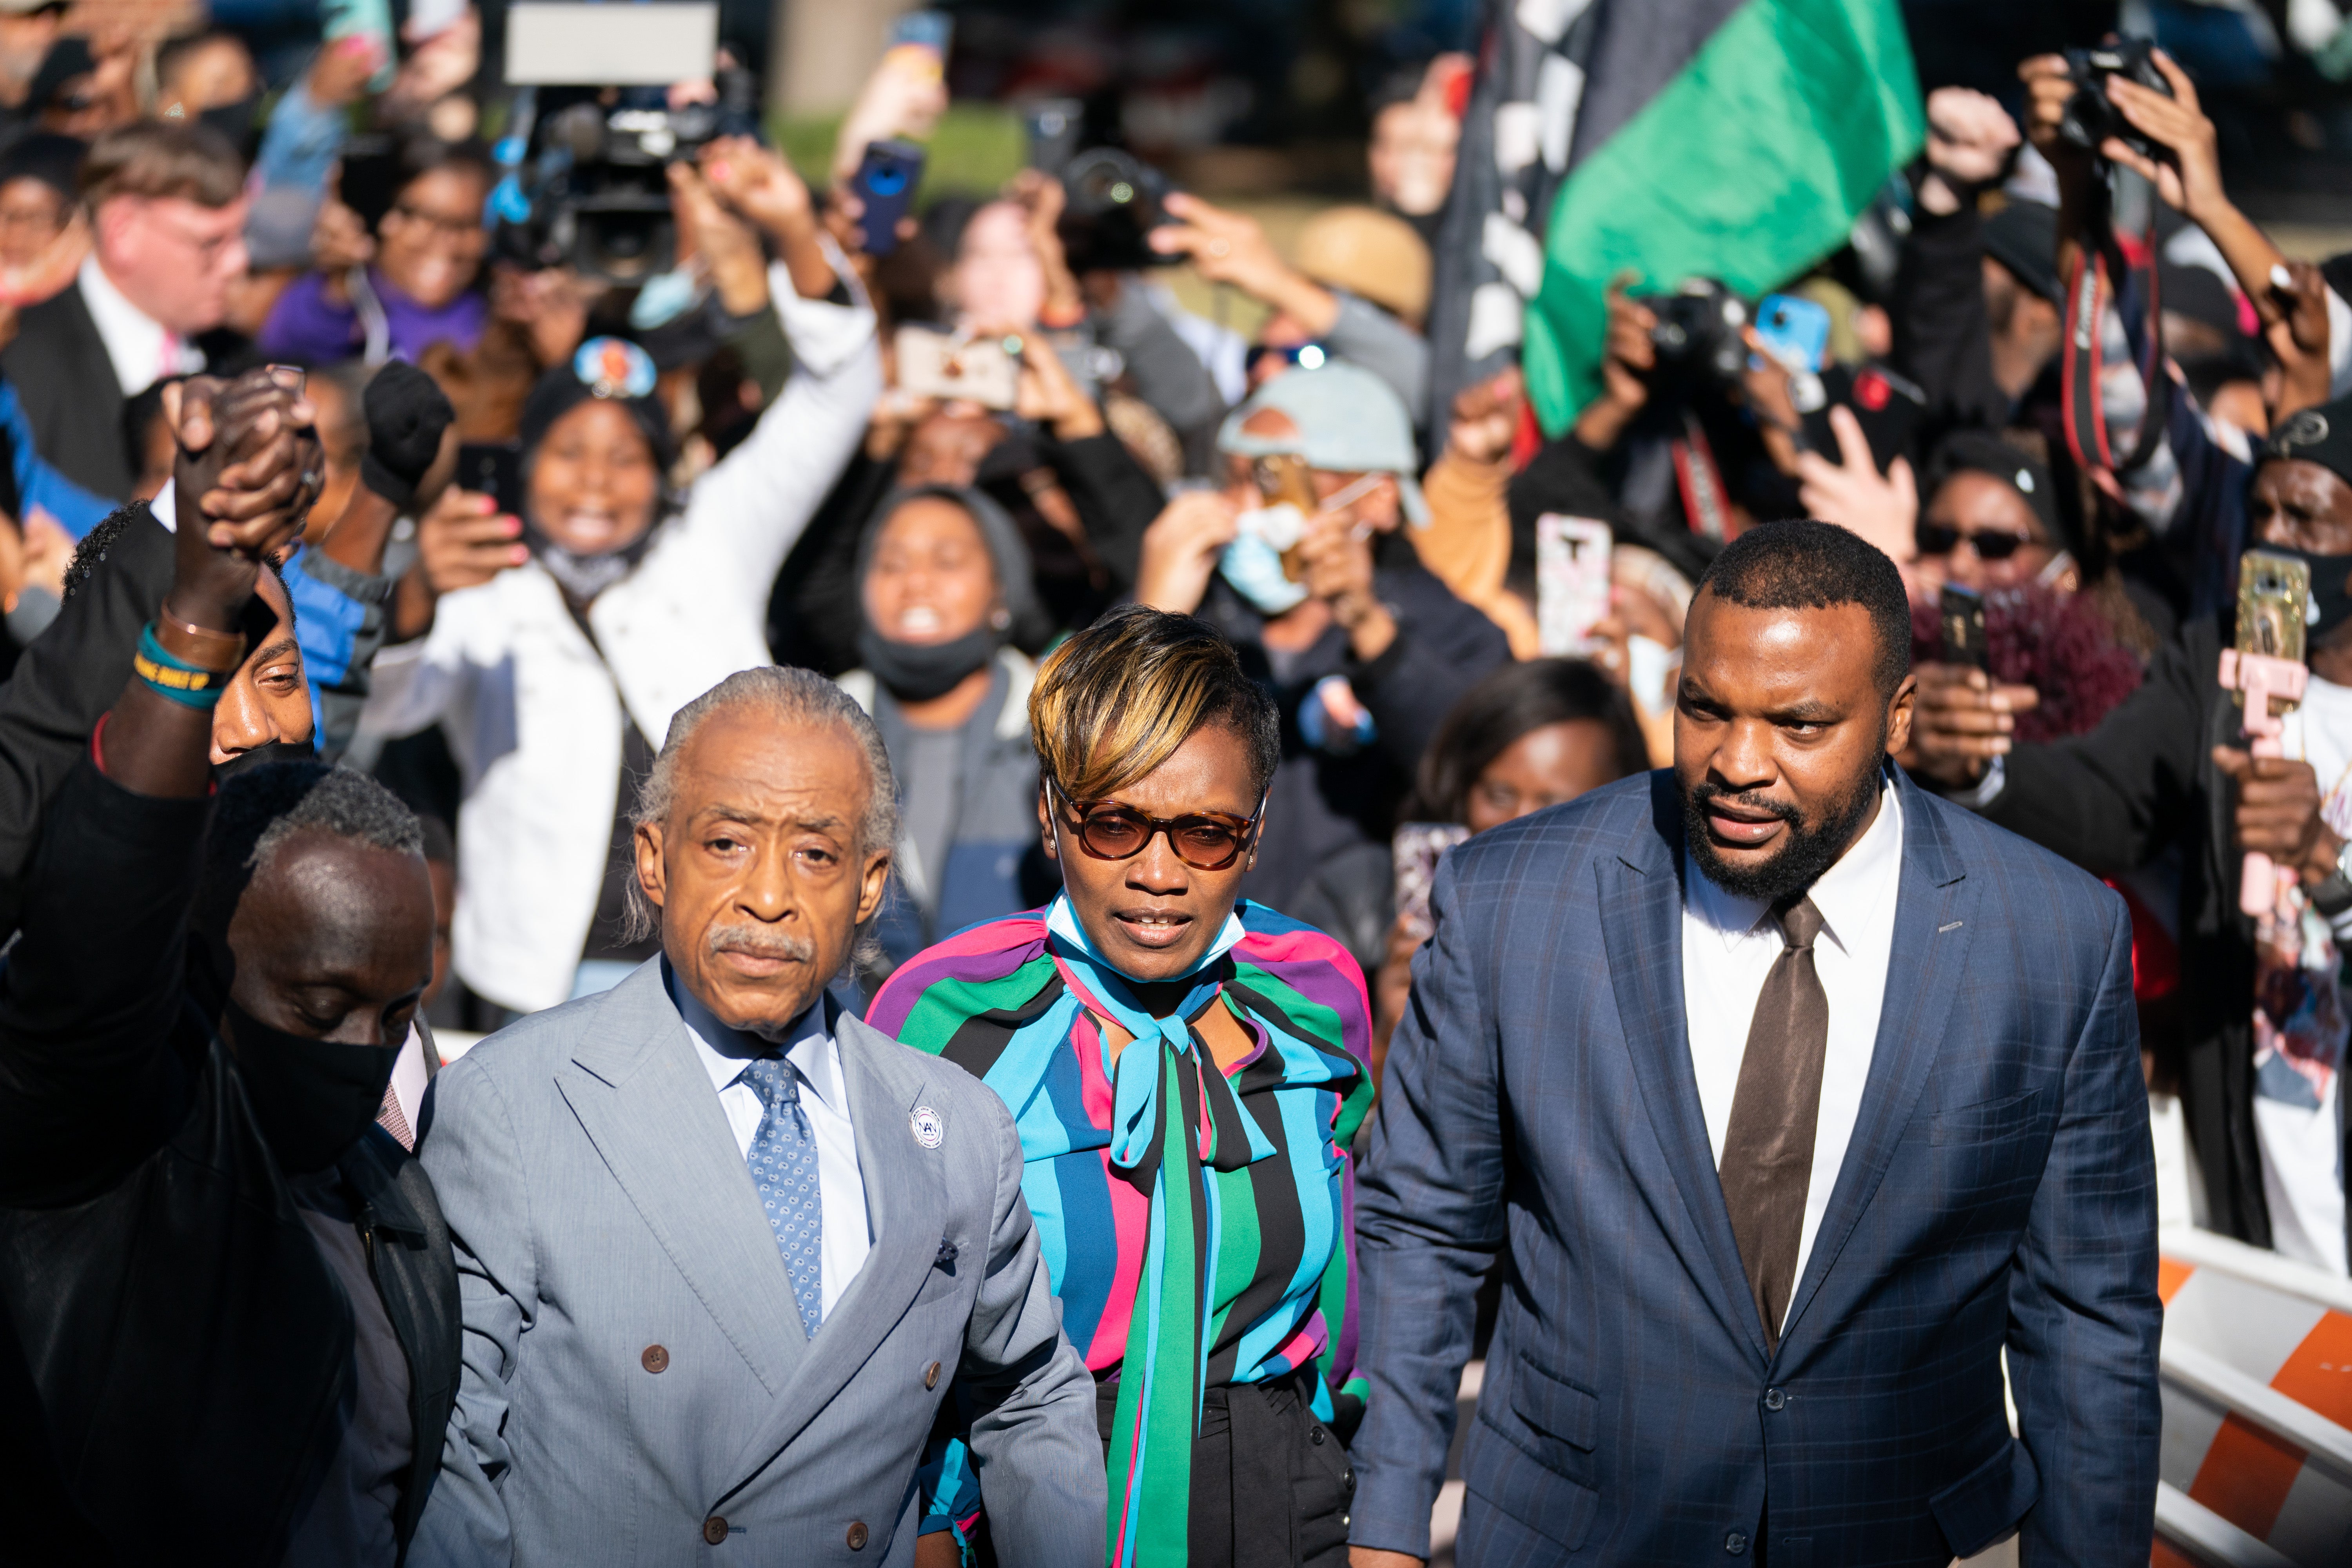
[929, 1129]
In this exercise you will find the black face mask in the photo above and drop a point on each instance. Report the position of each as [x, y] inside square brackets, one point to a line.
[2331, 592]
[916, 672]
[314, 1099]
[262, 756]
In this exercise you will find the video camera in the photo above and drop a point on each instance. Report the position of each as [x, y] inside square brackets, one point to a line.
[2091, 116]
[593, 131]
[1111, 199]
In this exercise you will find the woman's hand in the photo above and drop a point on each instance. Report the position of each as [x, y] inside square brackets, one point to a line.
[1181, 549]
[551, 305]
[1337, 553]
[463, 542]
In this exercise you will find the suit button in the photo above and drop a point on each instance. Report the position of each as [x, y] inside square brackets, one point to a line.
[656, 1359]
[1348, 1477]
[1774, 1399]
[857, 1535]
[1314, 1436]
[1734, 1544]
[932, 1375]
[714, 1530]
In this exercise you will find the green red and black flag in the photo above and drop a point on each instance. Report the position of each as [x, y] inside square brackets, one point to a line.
[1729, 138]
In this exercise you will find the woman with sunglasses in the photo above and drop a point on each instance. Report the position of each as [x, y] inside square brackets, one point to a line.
[1184, 1068]
[1991, 520]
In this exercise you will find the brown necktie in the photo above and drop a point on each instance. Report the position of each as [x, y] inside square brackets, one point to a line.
[1768, 1149]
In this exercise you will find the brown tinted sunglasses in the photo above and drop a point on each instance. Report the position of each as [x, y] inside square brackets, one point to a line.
[1204, 840]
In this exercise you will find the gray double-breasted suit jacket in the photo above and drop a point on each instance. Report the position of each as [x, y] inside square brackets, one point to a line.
[637, 1388]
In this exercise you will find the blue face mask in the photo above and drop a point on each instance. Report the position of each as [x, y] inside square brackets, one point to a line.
[1253, 562]
[663, 297]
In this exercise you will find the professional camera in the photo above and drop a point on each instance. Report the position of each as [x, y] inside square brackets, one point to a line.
[1698, 333]
[587, 186]
[2091, 117]
[1112, 201]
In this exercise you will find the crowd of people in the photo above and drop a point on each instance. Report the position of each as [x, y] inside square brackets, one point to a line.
[928, 759]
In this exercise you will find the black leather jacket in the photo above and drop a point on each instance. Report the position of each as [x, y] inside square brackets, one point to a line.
[173, 1344]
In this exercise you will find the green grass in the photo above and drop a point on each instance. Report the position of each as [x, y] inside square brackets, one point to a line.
[977, 147]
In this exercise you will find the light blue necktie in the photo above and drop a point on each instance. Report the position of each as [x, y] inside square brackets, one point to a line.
[783, 1167]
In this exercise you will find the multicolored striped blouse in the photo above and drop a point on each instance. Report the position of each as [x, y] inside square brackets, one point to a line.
[1198, 1225]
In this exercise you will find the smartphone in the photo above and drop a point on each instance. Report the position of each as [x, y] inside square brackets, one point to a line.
[932, 363]
[1883, 403]
[1417, 848]
[885, 182]
[493, 469]
[1794, 331]
[1571, 583]
[933, 30]
[1055, 126]
[1960, 611]
[2273, 600]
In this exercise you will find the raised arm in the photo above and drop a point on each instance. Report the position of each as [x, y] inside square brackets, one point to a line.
[89, 994]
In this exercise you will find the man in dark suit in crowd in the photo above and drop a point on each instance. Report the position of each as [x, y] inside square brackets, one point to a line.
[166, 207]
[231, 1311]
[1795, 1095]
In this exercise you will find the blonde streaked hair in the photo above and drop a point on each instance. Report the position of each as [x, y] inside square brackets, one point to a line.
[1117, 699]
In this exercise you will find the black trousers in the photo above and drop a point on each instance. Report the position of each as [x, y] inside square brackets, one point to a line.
[1272, 1485]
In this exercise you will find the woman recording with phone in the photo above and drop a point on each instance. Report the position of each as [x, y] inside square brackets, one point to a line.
[1186, 1071]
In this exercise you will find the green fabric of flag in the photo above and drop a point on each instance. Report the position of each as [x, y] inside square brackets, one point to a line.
[1748, 165]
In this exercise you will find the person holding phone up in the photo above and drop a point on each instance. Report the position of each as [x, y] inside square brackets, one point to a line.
[553, 644]
[2262, 1028]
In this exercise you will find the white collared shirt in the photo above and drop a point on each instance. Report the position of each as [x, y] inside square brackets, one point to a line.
[143, 350]
[814, 1056]
[1728, 949]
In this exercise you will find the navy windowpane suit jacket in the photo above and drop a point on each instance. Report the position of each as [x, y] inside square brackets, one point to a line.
[2000, 1190]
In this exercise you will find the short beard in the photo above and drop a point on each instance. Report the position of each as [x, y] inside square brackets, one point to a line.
[1811, 847]
[761, 943]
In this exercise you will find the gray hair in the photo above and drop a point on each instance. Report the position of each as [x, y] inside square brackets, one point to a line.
[786, 696]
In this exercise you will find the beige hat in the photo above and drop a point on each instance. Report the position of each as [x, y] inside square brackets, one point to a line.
[1372, 253]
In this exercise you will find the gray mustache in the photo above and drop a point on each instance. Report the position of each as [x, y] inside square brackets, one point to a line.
[758, 943]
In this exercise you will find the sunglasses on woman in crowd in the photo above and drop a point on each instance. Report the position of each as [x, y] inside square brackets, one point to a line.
[1989, 543]
[1204, 840]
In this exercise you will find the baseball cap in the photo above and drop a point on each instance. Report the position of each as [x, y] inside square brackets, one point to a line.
[1349, 422]
[2023, 237]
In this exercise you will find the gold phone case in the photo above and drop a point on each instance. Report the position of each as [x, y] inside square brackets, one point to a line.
[2274, 597]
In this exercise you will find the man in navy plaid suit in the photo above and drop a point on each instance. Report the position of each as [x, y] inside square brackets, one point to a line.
[1792, 1094]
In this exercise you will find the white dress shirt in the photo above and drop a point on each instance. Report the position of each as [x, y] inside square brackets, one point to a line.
[814, 1056]
[143, 350]
[1730, 946]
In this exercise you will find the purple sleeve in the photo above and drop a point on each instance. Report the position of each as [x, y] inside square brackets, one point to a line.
[306, 327]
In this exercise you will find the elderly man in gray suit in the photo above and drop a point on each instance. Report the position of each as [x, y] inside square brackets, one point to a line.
[723, 1248]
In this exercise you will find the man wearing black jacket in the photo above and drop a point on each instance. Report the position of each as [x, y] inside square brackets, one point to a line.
[229, 1311]
[2168, 768]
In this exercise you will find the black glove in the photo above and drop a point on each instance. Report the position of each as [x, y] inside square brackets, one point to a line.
[407, 413]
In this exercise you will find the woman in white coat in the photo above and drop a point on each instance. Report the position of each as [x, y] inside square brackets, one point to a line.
[553, 676]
